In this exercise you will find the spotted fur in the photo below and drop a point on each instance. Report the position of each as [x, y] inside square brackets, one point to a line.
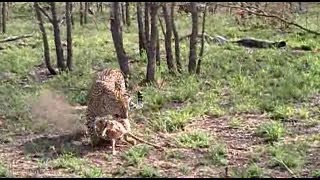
[107, 96]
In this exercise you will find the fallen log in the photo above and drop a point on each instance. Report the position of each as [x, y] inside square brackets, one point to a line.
[14, 38]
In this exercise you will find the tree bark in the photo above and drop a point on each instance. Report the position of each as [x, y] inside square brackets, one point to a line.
[57, 38]
[4, 18]
[8, 10]
[81, 14]
[146, 23]
[44, 39]
[117, 39]
[176, 39]
[158, 58]
[153, 39]
[86, 13]
[161, 25]
[69, 35]
[128, 14]
[71, 12]
[123, 14]
[168, 36]
[202, 40]
[193, 39]
[142, 38]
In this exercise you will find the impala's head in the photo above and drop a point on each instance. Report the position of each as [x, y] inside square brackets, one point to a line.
[100, 123]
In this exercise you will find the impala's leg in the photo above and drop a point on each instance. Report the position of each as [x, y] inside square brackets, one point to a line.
[114, 152]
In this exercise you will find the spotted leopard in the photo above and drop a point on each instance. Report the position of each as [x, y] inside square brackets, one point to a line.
[107, 96]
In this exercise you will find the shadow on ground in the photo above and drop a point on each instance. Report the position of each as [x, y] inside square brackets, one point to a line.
[51, 147]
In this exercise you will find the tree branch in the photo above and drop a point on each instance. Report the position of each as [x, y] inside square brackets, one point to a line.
[264, 14]
[45, 14]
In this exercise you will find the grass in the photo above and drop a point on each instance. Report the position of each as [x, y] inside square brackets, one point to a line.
[232, 81]
[217, 154]
[291, 155]
[147, 171]
[316, 174]
[174, 155]
[76, 165]
[271, 131]
[194, 139]
[235, 123]
[4, 172]
[135, 155]
[252, 171]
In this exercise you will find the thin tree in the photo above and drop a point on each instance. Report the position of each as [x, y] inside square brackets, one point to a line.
[123, 13]
[147, 23]
[142, 37]
[128, 14]
[168, 36]
[44, 39]
[161, 25]
[153, 39]
[158, 58]
[117, 38]
[100, 7]
[4, 18]
[71, 12]
[202, 40]
[85, 13]
[57, 38]
[176, 39]
[193, 39]
[69, 35]
[81, 14]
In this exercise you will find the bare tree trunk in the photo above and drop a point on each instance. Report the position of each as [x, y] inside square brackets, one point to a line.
[161, 25]
[128, 14]
[8, 10]
[81, 14]
[158, 58]
[97, 5]
[1, 19]
[168, 36]
[215, 8]
[176, 39]
[4, 19]
[57, 38]
[101, 7]
[142, 38]
[123, 14]
[44, 39]
[86, 13]
[146, 23]
[193, 39]
[202, 40]
[71, 12]
[69, 35]
[153, 39]
[300, 6]
[117, 39]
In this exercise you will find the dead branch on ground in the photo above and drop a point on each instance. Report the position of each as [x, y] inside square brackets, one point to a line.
[14, 38]
[264, 14]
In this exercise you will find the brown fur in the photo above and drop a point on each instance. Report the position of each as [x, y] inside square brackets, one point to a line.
[117, 130]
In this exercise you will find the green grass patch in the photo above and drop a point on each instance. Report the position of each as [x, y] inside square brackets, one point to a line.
[195, 139]
[252, 171]
[271, 131]
[136, 154]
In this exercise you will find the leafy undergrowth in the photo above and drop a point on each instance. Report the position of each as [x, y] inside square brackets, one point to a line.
[248, 114]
